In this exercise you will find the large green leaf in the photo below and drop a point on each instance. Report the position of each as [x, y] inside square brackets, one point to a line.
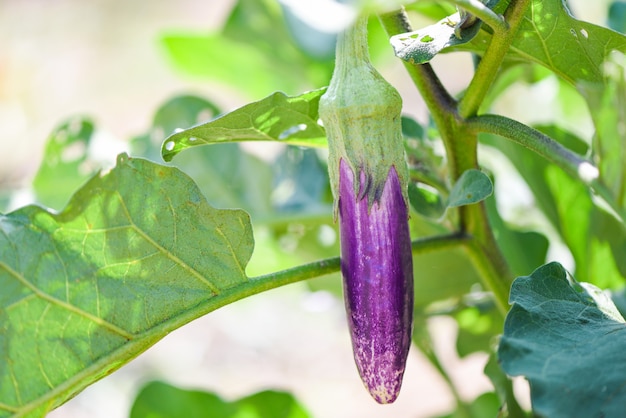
[136, 254]
[549, 29]
[291, 120]
[568, 339]
[160, 400]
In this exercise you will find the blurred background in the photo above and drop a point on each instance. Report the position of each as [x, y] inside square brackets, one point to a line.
[117, 62]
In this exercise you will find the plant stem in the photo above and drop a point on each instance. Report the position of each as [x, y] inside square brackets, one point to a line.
[491, 60]
[484, 13]
[567, 160]
[542, 144]
[461, 149]
[333, 264]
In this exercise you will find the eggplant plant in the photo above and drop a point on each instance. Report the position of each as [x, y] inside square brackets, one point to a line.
[131, 253]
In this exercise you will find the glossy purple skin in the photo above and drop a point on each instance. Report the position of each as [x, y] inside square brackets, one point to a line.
[377, 268]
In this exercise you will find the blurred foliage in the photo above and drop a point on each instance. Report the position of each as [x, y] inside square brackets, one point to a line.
[161, 400]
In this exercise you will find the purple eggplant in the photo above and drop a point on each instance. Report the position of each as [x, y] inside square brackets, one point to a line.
[369, 179]
[376, 263]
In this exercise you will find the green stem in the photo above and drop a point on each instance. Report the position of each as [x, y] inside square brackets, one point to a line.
[437, 98]
[490, 63]
[484, 13]
[493, 270]
[333, 264]
[567, 160]
[536, 141]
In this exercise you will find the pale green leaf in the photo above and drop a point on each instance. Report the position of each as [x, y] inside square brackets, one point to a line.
[291, 120]
[568, 340]
[472, 187]
[136, 254]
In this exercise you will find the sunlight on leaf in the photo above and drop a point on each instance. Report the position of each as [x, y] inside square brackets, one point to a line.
[136, 254]
[65, 164]
[290, 120]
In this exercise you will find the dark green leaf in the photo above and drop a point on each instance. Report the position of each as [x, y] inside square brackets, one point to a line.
[160, 400]
[291, 120]
[65, 164]
[568, 339]
[472, 187]
[136, 254]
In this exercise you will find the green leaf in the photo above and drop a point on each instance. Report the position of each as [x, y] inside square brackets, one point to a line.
[472, 187]
[136, 254]
[160, 400]
[65, 164]
[547, 30]
[421, 46]
[291, 120]
[175, 113]
[565, 337]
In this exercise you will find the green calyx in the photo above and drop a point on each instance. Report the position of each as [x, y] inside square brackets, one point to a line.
[361, 114]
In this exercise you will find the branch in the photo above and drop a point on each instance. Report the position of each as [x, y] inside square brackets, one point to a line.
[484, 13]
[570, 162]
[491, 60]
[548, 148]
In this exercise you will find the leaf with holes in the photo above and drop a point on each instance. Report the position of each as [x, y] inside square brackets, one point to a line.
[66, 164]
[137, 253]
[291, 120]
[422, 45]
[568, 340]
